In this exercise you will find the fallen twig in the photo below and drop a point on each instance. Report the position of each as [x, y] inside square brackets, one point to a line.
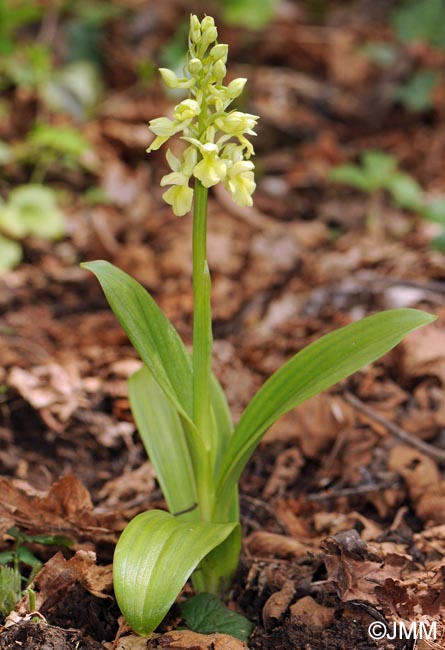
[425, 447]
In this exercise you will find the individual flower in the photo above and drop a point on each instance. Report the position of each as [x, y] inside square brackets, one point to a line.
[211, 169]
[240, 182]
[180, 196]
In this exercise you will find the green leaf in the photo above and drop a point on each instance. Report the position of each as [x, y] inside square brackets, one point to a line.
[434, 209]
[150, 332]
[25, 556]
[350, 175]
[417, 20]
[417, 93]
[164, 439]
[314, 369]
[405, 191]
[35, 211]
[205, 613]
[154, 557]
[10, 589]
[222, 416]
[252, 14]
[10, 254]
[378, 167]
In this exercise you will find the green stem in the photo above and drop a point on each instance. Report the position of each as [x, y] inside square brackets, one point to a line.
[202, 350]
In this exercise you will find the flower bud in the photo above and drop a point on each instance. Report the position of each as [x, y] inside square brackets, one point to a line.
[209, 32]
[194, 66]
[219, 69]
[236, 87]
[169, 77]
[195, 29]
[219, 52]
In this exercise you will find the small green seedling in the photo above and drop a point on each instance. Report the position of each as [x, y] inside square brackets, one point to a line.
[48, 146]
[31, 210]
[417, 21]
[17, 561]
[379, 171]
[433, 209]
[178, 404]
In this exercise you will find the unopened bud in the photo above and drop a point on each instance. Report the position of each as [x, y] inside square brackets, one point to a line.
[219, 52]
[195, 29]
[169, 77]
[219, 69]
[194, 66]
[236, 87]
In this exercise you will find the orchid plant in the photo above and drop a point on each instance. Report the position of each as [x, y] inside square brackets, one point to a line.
[178, 404]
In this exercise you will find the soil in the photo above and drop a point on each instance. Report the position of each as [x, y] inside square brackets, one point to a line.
[342, 505]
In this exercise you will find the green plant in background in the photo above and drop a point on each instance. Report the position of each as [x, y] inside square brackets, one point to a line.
[251, 14]
[433, 209]
[47, 146]
[13, 563]
[379, 171]
[420, 21]
[178, 404]
[31, 210]
[12, 17]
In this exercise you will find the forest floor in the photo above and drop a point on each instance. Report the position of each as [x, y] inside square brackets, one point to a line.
[342, 505]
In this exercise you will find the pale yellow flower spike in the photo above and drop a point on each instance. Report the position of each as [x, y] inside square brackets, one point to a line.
[218, 149]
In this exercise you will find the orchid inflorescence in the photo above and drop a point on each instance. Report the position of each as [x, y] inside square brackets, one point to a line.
[206, 123]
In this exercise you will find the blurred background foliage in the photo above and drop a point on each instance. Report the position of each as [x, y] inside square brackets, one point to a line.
[61, 60]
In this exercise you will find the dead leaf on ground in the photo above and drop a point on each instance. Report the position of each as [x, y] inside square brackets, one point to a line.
[355, 569]
[66, 509]
[181, 640]
[58, 575]
[307, 611]
[264, 544]
[423, 353]
[276, 605]
[423, 479]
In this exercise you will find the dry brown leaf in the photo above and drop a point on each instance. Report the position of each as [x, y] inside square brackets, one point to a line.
[188, 640]
[423, 353]
[66, 509]
[315, 424]
[54, 390]
[285, 472]
[128, 486]
[58, 575]
[355, 570]
[423, 479]
[307, 611]
[276, 605]
[264, 544]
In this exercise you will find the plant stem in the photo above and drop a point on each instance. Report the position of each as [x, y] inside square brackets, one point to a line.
[202, 351]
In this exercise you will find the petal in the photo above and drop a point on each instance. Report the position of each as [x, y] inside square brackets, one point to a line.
[162, 126]
[180, 197]
[173, 161]
[157, 143]
[175, 178]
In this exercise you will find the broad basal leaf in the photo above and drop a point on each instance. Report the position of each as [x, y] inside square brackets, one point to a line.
[153, 559]
[315, 368]
[150, 332]
[161, 430]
